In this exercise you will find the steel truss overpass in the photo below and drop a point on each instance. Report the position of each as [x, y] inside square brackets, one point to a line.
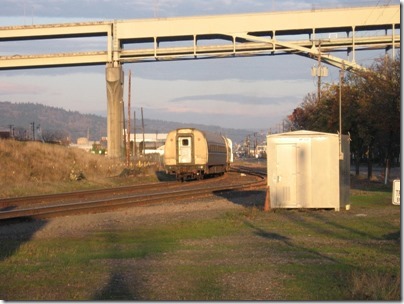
[313, 33]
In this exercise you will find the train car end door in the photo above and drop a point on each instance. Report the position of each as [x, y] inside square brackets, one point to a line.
[185, 149]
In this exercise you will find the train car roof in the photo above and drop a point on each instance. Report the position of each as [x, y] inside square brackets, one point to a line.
[211, 137]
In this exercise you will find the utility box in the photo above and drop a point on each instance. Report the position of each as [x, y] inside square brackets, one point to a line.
[396, 192]
[305, 170]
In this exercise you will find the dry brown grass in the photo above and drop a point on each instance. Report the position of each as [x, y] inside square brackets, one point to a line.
[374, 286]
[32, 167]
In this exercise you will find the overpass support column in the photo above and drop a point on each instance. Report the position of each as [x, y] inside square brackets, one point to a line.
[115, 107]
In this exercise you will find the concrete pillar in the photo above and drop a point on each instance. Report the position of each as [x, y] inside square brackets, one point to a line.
[114, 78]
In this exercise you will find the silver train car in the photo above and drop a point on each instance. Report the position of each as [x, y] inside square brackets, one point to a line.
[190, 153]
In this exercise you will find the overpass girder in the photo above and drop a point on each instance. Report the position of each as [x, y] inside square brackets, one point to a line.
[255, 46]
[313, 52]
[51, 60]
[280, 27]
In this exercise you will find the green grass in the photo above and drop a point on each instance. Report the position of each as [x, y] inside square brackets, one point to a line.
[301, 255]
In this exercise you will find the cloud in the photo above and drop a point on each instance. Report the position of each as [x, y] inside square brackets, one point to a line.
[233, 98]
[130, 9]
[224, 107]
[8, 88]
[242, 116]
[108, 9]
[239, 91]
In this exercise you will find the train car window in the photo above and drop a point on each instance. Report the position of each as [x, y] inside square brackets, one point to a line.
[185, 142]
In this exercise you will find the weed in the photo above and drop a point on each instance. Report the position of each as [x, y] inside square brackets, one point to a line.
[374, 285]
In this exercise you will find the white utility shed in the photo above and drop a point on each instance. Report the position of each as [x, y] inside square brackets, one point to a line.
[305, 170]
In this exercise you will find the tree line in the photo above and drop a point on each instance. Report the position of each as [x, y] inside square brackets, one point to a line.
[370, 107]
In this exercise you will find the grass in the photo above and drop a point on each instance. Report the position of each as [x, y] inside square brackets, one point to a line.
[242, 254]
[53, 264]
[29, 168]
[306, 255]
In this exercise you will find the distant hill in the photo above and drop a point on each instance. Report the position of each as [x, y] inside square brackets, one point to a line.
[74, 124]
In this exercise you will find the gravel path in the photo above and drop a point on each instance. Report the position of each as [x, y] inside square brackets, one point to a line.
[142, 216]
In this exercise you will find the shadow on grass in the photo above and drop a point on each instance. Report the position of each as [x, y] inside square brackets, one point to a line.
[287, 241]
[364, 184]
[116, 289]
[122, 284]
[16, 232]
[395, 236]
[246, 198]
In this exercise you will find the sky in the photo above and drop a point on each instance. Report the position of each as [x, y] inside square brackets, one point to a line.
[254, 93]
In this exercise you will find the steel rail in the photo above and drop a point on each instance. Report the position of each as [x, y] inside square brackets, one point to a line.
[87, 194]
[26, 200]
[129, 200]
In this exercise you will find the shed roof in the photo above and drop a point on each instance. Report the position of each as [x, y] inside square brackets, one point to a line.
[302, 133]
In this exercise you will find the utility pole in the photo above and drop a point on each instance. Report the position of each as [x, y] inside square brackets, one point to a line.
[143, 149]
[134, 136]
[11, 130]
[33, 130]
[341, 76]
[128, 132]
[39, 132]
[255, 144]
[319, 72]
[157, 135]
[124, 130]
[248, 145]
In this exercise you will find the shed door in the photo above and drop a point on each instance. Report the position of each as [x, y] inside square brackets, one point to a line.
[184, 150]
[286, 176]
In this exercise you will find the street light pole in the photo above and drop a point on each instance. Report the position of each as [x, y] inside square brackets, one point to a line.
[341, 75]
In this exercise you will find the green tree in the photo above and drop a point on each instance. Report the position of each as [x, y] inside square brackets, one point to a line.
[370, 111]
[379, 114]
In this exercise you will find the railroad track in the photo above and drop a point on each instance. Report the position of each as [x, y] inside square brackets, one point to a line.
[45, 206]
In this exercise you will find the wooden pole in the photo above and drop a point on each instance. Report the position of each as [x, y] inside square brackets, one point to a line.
[143, 148]
[267, 205]
[124, 130]
[134, 135]
[128, 128]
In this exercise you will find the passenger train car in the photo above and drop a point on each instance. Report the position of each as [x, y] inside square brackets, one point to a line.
[191, 153]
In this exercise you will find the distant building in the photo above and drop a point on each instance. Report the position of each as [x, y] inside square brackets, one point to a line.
[261, 151]
[153, 143]
[5, 134]
[83, 143]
